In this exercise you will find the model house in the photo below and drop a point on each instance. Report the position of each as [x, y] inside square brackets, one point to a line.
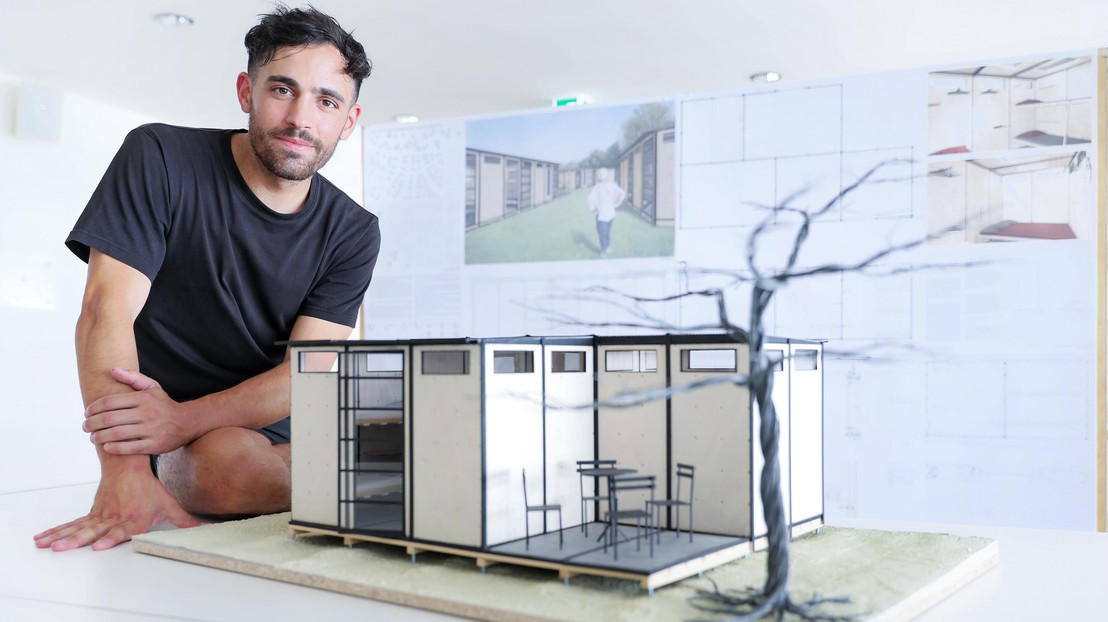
[391, 437]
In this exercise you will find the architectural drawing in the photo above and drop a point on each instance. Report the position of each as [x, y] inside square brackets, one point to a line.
[758, 145]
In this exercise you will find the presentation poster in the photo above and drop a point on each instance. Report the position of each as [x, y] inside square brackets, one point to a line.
[963, 362]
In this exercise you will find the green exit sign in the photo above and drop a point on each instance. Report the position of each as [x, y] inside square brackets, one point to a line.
[575, 100]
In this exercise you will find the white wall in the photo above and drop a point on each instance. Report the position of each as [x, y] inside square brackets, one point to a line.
[45, 186]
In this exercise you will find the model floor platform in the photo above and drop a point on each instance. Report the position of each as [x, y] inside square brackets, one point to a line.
[674, 557]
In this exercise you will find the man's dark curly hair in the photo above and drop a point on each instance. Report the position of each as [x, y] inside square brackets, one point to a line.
[286, 27]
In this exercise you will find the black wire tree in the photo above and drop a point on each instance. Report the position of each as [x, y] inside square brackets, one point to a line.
[773, 598]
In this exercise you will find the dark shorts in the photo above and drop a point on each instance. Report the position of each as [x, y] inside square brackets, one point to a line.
[278, 433]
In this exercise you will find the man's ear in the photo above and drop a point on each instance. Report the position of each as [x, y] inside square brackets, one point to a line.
[351, 121]
[244, 89]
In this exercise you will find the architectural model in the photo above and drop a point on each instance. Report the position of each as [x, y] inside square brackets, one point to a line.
[424, 444]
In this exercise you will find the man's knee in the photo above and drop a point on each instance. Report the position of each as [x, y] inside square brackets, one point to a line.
[228, 472]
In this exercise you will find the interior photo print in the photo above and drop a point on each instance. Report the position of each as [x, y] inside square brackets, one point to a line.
[1001, 167]
[1041, 103]
[591, 183]
[1044, 196]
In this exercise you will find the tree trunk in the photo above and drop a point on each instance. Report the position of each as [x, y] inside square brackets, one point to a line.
[773, 507]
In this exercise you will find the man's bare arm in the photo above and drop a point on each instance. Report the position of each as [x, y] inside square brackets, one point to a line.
[147, 421]
[130, 417]
[263, 399]
[129, 499]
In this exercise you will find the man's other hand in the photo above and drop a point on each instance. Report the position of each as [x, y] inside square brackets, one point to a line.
[145, 421]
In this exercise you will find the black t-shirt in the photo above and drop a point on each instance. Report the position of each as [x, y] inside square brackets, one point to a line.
[229, 276]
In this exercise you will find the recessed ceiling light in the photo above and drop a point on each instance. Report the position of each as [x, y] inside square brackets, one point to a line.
[406, 118]
[174, 20]
[765, 76]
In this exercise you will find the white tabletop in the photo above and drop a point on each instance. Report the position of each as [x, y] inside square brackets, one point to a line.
[1043, 575]
[119, 584]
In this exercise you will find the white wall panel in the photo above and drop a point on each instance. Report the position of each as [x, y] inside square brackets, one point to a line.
[569, 432]
[712, 130]
[794, 122]
[726, 195]
[513, 442]
[806, 436]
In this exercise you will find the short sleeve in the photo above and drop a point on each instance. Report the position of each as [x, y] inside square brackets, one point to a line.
[128, 216]
[338, 295]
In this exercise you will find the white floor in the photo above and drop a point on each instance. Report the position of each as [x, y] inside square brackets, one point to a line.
[120, 584]
[1043, 575]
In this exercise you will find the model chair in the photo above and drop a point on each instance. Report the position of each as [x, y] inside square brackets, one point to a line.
[641, 516]
[684, 471]
[583, 466]
[553, 507]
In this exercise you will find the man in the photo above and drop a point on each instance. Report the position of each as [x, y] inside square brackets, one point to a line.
[205, 248]
[604, 198]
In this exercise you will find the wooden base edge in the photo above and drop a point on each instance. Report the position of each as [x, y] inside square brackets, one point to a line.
[485, 559]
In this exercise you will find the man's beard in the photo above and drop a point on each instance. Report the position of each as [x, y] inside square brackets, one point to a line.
[283, 163]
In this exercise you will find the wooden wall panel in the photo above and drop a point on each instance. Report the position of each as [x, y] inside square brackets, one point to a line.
[634, 436]
[446, 450]
[711, 431]
[314, 399]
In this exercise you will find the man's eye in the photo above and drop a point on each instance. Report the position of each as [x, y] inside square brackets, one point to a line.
[329, 104]
[280, 90]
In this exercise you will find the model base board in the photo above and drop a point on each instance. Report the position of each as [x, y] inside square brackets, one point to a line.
[916, 570]
[581, 555]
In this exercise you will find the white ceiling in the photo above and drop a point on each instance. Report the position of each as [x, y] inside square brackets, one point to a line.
[438, 58]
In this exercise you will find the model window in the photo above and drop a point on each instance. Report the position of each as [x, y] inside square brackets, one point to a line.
[513, 362]
[709, 360]
[805, 359]
[492, 160]
[377, 398]
[631, 360]
[776, 359]
[377, 386]
[382, 361]
[318, 362]
[371, 440]
[568, 361]
[437, 362]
